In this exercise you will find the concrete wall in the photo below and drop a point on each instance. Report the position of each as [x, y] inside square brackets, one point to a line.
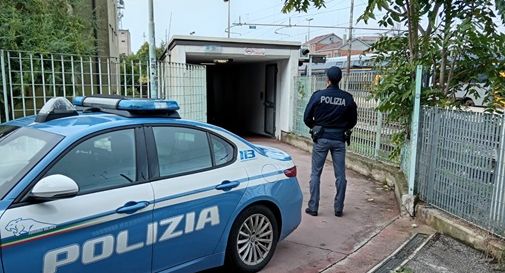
[113, 28]
[288, 69]
[178, 54]
[105, 16]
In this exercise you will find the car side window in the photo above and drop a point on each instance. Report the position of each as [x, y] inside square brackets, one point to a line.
[101, 162]
[181, 150]
[223, 151]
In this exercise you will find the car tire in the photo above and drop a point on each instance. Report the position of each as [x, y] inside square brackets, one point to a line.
[252, 241]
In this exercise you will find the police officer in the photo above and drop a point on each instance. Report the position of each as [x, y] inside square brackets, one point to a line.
[330, 113]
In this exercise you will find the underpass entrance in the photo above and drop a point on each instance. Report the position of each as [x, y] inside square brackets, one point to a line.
[249, 82]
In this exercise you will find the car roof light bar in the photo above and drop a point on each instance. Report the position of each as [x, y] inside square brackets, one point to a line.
[126, 104]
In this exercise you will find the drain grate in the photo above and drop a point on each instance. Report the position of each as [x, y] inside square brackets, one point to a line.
[401, 254]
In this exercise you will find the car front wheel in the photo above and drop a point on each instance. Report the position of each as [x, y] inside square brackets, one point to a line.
[252, 240]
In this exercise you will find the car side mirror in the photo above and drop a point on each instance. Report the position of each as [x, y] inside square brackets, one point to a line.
[54, 187]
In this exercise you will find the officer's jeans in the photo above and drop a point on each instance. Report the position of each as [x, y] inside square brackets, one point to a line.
[319, 153]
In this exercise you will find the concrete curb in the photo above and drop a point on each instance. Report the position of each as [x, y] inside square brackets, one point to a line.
[378, 171]
[462, 231]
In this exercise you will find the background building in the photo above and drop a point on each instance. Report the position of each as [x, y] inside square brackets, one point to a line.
[332, 45]
[331, 50]
[317, 43]
[104, 14]
[124, 42]
[357, 47]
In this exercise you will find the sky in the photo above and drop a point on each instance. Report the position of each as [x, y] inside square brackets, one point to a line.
[210, 18]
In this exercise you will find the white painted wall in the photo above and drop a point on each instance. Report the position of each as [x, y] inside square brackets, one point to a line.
[178, 55]
[288, 69]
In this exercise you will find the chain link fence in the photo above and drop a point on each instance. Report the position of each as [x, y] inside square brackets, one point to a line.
[372, 135]
[28, 80]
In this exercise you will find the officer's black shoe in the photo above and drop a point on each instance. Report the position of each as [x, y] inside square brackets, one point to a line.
[310, 212]
[338, 213]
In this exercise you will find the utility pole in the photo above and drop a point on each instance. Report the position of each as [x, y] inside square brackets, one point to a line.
[229, 18]
[153, 79]
[308, 29]
[349, 51]
[169, 28]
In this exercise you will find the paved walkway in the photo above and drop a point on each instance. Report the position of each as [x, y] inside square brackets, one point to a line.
[370, 230]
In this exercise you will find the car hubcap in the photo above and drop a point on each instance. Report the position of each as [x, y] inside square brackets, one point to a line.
[254, 239]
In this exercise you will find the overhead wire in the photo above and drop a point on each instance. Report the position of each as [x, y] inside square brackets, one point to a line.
[295, 19]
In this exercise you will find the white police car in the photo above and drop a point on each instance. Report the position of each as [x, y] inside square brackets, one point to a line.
[124, 185]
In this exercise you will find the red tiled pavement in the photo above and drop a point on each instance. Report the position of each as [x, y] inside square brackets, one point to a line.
[369, 231]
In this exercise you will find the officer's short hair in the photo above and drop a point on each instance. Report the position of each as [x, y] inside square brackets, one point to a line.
[334, 74]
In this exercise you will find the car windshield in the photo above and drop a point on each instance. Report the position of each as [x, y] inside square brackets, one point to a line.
[20, 149]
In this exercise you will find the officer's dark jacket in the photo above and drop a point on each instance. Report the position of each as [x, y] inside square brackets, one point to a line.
[331, 108]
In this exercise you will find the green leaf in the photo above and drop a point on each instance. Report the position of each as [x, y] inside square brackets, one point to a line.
[301, 5]
[500, 7]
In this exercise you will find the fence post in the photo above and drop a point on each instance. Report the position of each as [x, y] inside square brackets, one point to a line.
[378, 134]
[408, 200]
[415, 129]
[4, 85]
[498, 200]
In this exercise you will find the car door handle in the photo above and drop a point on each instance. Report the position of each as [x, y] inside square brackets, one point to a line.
[132, 206]
[227, 185]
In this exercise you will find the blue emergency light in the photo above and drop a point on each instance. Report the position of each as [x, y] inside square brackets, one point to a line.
[126, 104]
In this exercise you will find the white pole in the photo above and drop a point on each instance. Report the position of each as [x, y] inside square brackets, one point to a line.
[308, 34]
[350, 47]
[229, 18]
[415, 131]
[153, 81]
[309, 70]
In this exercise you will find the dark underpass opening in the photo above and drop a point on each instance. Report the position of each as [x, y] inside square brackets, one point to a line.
[241, 97]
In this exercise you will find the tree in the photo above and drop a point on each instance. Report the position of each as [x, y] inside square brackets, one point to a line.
[304, 5]
[45, 26]
[456, 41]
[301, 5]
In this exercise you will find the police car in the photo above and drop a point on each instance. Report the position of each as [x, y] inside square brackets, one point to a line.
[111, 184]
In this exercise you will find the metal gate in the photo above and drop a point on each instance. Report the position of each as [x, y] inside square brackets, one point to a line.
[28, 80]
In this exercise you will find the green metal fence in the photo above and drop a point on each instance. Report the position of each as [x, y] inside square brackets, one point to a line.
[461, 154]
[372, 135]
[461, 165]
